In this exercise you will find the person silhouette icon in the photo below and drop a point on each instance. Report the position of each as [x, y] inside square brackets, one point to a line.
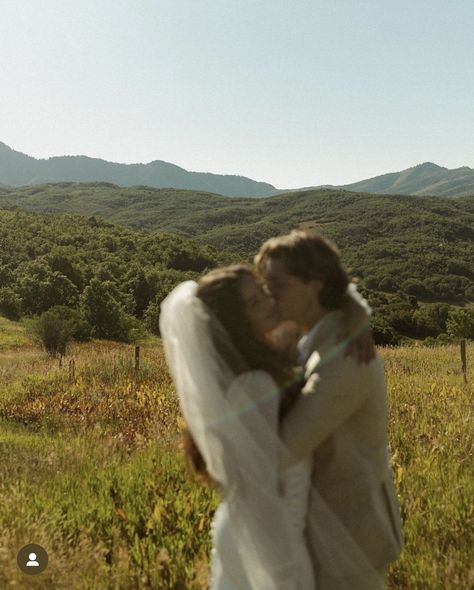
[32, 562]
[32, 559]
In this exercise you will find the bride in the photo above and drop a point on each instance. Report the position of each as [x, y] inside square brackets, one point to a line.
[233, 388]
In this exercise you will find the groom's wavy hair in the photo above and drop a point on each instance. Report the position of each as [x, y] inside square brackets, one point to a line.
[219, 289]
[309, 256]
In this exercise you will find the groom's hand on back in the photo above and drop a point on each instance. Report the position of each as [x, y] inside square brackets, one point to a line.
[362, 347]
[357, 330]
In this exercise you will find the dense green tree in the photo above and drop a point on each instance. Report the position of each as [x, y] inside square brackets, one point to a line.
[10, 304]
[460, 323]
[388, 284]
[63, 264]
[137, 285]
[151, 318]
[7, 276]
[414, 287]
[383, 333]
[162, 283]
[102, 311]
[40, 287]
[399, 315]
[181, 257]
[430, 319]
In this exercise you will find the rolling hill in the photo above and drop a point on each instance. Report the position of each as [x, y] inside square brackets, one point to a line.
[411, 256]
[18, 169]
[414, 237]
[425, 179]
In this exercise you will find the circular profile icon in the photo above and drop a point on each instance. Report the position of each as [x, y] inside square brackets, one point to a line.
[32, 559]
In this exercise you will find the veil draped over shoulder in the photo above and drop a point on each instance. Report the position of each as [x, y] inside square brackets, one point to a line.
[237, 436]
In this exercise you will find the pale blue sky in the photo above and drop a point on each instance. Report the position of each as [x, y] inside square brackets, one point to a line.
[295, 92]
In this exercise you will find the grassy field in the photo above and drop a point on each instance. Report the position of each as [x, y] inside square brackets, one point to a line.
[91, 469]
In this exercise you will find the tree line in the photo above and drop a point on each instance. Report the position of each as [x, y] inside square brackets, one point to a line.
[100, 280]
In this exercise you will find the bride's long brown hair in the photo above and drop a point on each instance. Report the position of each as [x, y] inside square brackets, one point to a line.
[220, 291]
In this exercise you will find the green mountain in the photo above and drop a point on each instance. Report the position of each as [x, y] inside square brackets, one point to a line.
[424, 179]
[18, 169]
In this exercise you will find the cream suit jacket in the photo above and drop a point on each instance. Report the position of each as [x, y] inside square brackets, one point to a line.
[341, 417]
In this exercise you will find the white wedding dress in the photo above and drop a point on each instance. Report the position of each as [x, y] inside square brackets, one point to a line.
[258, 533]
[232, 415]
[227, 568]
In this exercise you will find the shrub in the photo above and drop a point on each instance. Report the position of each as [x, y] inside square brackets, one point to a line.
[55, 328]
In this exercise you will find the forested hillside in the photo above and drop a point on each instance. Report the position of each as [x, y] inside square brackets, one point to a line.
[386, 240]
[113, 275]
[412, 262]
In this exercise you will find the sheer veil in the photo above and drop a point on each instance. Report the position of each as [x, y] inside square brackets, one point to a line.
[237, 436]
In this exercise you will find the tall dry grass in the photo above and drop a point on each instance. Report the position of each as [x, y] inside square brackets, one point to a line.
[90, 468]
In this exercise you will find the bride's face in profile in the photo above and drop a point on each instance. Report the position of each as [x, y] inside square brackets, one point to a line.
[259, 306]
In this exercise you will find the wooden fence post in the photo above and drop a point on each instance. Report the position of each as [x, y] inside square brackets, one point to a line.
[137, 358]
[72, 369]
[463, 360]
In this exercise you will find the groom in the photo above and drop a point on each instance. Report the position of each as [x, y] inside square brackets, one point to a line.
[340, 418]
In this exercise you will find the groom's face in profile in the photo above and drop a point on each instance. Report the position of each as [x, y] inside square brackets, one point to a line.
[296, 299]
